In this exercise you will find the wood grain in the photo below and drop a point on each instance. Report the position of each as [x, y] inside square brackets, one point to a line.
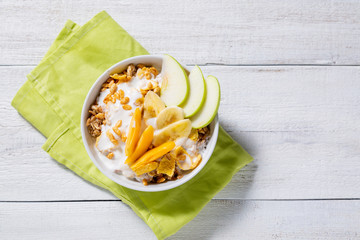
[220, 219]
[300, 125]
[297, 116]
[196, 32]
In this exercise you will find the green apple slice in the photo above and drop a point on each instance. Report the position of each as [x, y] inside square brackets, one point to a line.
[197, 93]
[212, 101]
[175, 82]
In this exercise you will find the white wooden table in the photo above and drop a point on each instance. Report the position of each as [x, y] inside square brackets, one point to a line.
[290, 78]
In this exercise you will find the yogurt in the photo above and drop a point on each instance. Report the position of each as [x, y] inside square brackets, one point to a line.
[115, 112]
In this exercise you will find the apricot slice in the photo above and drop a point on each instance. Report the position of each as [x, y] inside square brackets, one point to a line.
[153, 154]
[143, 144]
[134, 133]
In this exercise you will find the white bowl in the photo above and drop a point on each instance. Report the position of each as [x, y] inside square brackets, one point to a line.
[89, 141]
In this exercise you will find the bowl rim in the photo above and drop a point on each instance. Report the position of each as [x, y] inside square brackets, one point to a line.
[84, 116]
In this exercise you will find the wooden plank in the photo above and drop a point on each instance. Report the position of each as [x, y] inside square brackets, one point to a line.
[224, 32]
[220, 219]
[299, 123]
[281, 99]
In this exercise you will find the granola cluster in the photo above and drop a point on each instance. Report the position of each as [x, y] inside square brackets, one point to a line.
[96, 119]
[112, 84]
[118, 78]
[203, 136]
[156, 177]
[148, 73]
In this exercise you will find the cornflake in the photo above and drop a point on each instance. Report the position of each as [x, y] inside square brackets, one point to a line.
[167, 166]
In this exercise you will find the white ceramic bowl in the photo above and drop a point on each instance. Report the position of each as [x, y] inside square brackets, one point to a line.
[89, 141]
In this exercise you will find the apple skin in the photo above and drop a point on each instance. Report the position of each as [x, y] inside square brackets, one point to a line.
[215, 110]
[203, 97]
[187, 84]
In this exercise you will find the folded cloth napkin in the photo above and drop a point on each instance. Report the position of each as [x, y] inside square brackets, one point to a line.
[52, 98]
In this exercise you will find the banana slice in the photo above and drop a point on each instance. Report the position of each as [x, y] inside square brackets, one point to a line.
[169, 115]
[153, 105]
[189, 163]
[173, 131]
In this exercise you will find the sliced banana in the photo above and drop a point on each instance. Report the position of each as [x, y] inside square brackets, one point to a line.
[173, 131]
[153, 105]
[169, 115]
[184, 164]
[189, 163]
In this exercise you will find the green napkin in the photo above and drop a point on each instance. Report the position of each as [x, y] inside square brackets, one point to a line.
[51, 100]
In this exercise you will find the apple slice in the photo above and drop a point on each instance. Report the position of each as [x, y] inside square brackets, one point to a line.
[212, 101]
[175, 82]
[197, 93]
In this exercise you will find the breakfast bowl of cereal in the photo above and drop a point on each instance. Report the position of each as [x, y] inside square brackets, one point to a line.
[150, 124]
